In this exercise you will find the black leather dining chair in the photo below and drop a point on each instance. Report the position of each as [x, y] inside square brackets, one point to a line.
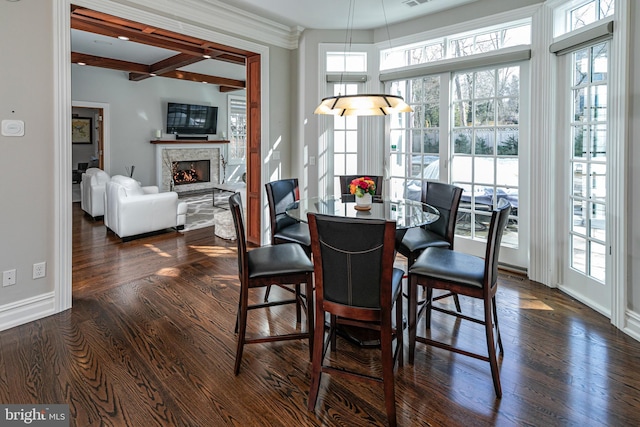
[357, 285]
[439, 234]
[462, 274]
[284, 229]
[284, 265]
[346, 195]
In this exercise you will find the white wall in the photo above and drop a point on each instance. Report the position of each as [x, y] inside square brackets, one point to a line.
[35, 218]
[280, 115]
[26, 166]
[633, 288]
[308, 98]
[137, 110]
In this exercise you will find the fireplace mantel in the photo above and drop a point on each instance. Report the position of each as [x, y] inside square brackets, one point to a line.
[189, 141]
[168, 151]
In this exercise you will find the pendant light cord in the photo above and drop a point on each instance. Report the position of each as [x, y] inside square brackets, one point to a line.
[386, 24]
[348, 39]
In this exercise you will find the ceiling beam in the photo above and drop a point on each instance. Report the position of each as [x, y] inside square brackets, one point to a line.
[169, 64]
[114, 64]
[225, 89]
[107, 25]
[141, 71]
[196, 77]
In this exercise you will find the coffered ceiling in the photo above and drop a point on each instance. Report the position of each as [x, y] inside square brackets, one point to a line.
[155, 52]
[97, 39]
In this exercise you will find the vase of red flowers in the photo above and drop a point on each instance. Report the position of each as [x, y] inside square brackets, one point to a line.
[363, 188]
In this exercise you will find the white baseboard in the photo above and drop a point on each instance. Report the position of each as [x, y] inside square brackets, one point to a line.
[27, 310]
[632, 325]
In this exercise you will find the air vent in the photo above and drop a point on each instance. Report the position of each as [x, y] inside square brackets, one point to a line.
[412, 3]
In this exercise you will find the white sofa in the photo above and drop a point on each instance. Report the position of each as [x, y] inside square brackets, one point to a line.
[92, 188]
[131, 209]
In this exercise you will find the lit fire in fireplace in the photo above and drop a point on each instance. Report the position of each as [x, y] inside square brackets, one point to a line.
[184, 176]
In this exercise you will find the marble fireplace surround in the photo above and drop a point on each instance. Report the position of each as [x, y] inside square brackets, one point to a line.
[168, 153]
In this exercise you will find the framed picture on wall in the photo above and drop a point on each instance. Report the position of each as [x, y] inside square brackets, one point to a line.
[81, 130]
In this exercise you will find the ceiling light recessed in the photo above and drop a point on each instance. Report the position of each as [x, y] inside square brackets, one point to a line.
[204, 82]
[125, 38]
[152, 74]
[206, 56]
[81, 63]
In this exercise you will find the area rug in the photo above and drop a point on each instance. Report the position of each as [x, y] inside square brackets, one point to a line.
[200, 210]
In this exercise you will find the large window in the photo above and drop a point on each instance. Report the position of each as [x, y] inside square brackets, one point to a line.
[342, 153]
[415, 137]
[485, 137]
[478, 135]
[345, 140]
[577, 14]
[588, 159]
[237, 129]
[458, 45]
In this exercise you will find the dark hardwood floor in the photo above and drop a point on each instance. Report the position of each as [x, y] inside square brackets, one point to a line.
[149, 342]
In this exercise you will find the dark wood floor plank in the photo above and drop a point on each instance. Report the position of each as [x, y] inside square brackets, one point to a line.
[149, 341]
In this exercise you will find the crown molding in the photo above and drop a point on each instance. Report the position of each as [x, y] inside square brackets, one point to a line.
[222, 17]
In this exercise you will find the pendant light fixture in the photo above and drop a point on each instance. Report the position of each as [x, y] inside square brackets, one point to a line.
[362, 104]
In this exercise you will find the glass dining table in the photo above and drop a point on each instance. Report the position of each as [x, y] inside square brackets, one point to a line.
[406, 213]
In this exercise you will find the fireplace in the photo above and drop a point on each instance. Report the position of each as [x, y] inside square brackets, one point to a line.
[191, 171]
[197, 164]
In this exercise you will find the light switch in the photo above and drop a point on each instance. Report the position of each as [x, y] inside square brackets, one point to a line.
[12, 128]
[312, 160]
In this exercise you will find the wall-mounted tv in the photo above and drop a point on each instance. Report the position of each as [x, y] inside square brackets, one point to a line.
[191, 119]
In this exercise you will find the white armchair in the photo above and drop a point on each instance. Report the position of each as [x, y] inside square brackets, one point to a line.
[131, 209]
[92, 187]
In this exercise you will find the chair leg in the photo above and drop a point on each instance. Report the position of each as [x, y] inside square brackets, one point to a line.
[495, 321]
[387, 373]
[400, 330]
[298, 305]
[266, 293]
[491, 347]
[309, 313]
[427, 308]
[316, 360]
[238, 314]
[412, 309]
[332, 331]
[242, 320]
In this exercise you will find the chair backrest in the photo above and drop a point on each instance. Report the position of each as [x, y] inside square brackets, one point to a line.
[96, 176]
[281, 194]
[499, 219]
[130, 186]
[445, 198]
[345, 180]
[353, 260]
[235, 204]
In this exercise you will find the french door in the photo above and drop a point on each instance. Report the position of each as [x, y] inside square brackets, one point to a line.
[584, 241]
[467, 128]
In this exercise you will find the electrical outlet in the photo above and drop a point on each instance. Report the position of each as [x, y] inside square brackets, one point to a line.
[9, 277]
[39, 270]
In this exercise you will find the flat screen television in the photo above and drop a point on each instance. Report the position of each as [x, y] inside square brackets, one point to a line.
[191, 119]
